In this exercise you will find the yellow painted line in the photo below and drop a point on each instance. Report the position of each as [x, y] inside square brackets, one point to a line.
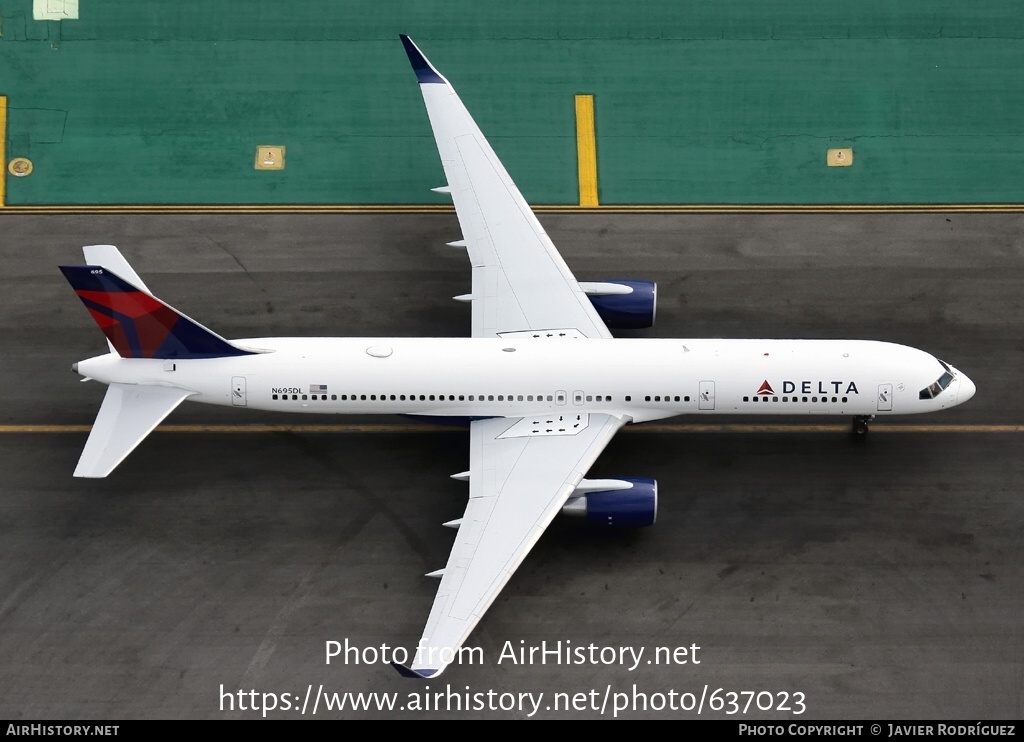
[838, 427]
[539, 208]
[3, 149]
[171, 428]
[586, 150]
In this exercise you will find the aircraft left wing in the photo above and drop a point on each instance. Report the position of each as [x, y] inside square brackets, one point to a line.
[520, 282]
[522, 471]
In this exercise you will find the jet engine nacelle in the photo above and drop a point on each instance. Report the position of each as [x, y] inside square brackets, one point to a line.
[624, 304]
[627, 501]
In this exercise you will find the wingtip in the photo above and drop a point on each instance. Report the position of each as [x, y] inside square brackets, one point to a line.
[424, 70]
[408, 672]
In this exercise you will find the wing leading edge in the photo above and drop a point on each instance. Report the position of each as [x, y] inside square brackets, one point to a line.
[517, 485]
[520, 282]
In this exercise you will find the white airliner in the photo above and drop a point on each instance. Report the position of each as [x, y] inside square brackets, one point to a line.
[542, 380]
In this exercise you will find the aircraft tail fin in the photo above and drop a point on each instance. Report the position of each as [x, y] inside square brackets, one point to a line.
[136, 323]
[128, 414]
[111, 258]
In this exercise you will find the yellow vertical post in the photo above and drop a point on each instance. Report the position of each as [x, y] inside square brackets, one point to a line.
[586, 150]
[3, 148]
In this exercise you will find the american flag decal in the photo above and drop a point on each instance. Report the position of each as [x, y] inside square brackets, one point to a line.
[317, 388]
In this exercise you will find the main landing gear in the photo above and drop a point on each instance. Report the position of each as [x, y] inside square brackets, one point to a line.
[860, 425]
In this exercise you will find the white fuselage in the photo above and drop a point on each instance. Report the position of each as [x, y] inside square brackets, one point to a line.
[639, 378]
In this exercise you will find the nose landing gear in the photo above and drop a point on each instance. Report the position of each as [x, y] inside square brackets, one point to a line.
[860, 425]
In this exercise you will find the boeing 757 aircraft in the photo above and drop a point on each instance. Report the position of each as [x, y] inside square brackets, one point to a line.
[543, 381]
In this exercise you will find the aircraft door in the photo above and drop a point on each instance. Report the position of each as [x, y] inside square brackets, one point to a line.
[707, 396]
[884, 397]
[577, 397]
[238, 391]
[560, 397]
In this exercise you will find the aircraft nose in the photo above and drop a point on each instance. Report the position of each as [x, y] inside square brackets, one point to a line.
[966, 391]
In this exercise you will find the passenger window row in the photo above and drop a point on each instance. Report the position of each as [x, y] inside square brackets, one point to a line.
[487, 398]
[766, 398]
[436, 397]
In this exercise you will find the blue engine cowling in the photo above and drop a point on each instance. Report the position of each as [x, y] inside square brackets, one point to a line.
[625, 311]
[634, 507]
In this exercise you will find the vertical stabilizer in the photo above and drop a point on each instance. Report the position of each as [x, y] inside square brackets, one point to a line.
[137, 324]
[109, 257]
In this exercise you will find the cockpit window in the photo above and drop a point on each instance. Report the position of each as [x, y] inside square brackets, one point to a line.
[935, 388]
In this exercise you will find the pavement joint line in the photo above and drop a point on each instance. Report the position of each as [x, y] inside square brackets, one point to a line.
[54, 209]
[430, 428]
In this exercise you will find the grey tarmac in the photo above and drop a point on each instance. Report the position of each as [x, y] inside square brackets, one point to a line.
[881, 579]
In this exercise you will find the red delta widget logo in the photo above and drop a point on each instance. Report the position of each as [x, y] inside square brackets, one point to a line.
[809, 387]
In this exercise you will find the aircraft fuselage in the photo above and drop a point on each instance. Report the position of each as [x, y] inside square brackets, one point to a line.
[645, 379]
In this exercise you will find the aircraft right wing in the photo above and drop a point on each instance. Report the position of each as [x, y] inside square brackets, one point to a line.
[520, 282]
[521, 472]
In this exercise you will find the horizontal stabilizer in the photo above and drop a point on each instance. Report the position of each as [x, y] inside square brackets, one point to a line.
[128, 414]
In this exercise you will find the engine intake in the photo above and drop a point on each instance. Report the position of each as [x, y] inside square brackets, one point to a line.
[627, 502]
[624, 304]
